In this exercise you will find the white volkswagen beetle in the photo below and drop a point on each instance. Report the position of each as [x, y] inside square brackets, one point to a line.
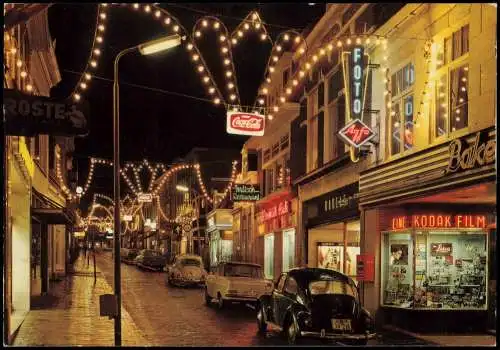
[186, 270]
[236, 282]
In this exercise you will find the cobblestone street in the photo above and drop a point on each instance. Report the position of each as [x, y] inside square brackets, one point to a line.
[177, 316]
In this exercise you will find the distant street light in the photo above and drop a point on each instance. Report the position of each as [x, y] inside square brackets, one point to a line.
[79, 190]
[148, 48]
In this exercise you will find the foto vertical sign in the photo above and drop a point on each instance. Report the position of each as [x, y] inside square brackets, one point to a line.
[357, 83]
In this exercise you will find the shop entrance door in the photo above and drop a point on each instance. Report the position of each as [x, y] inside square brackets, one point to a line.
[269, 256]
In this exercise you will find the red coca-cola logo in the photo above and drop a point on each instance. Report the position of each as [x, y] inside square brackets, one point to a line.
[247, 122]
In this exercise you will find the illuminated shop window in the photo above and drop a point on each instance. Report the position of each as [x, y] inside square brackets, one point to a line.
[450, 270]
[402, 107]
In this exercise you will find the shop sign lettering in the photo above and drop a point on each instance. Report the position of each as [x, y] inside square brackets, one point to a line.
[439, 221]
[245, 193]
[275, 211]
[477, 154]
[440, 249]
[339, 202]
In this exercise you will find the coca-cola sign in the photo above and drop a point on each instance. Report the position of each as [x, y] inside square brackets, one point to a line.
[249, 124]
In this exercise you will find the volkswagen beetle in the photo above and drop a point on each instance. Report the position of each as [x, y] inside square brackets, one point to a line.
[187, 269]
[316, 303]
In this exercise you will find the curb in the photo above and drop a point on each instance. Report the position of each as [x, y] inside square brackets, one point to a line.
[411, 334]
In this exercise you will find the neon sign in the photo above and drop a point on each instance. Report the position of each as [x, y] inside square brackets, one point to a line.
[439, 221]
[466, 158]
[275, 211]
[355, 133]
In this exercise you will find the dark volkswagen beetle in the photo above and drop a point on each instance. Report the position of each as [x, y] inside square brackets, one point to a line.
[316, 303]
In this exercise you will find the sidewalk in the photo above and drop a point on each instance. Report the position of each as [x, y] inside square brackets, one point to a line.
[450, 339]
[69, 315]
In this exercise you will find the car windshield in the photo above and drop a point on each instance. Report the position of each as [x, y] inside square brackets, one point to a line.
[234, 270]
[331, 285]
[190, 262]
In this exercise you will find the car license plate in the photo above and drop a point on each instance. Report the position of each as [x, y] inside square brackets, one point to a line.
[341, 324]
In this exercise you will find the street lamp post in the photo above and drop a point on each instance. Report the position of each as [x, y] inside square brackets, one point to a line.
[147, 48]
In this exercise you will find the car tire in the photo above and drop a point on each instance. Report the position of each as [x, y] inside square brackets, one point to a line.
[208, 298]
[220, 302]
[261, 322]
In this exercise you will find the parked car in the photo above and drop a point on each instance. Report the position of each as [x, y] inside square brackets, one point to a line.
[316, 303]
[185, 270]
[127, 255]
[152, 259]
[236, 282]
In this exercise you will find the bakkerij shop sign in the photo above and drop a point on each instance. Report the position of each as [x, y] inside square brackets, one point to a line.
[246, 193]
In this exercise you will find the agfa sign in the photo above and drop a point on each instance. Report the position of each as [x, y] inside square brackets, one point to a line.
[249, 124]
[355, 133]
[145, 197]
[27, 115]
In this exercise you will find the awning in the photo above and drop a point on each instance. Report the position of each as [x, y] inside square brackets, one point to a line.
[50, 216]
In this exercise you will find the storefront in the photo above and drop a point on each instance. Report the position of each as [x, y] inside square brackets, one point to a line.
[219, 231]
[332, 230]
[276, 223]
[432, 238]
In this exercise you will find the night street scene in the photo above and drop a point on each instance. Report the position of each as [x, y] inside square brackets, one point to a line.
[249, 174]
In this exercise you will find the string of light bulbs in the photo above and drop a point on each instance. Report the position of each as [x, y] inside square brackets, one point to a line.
[21, 71]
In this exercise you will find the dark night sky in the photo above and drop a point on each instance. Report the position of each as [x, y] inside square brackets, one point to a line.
[154, 125]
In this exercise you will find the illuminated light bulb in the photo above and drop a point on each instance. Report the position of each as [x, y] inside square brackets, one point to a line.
[276, 108]
[206, 79]
[230, 85]
[136, 6]
[396, 124]
[232, 97]
[264, 91]
[322, 52]
[295, 82]
[457, 111]
[93, 63]
[19, 63]
[240, 33]
[189, 46]
[275, 58]
[282, 99]
[261, 101]
[464, 79]
[77, 97]
[297, 39]
[234, 41]
[289, 91]
[257, 25]
[24, 74]
[301, 73]
[385, 58]
[271, 69]
[201, 69]
[308, 65]
[460, 100]
[97, 52]
[29, 87]
[367, 40]
[302, 50]
[83, 86]
[99, 39]
[224, 49]
[286, 37]
[358, 41]
[246, 26]
[222, 38]
[211, 90]
[216, 25]
[255, 16]
[204, 23]
[466, 69]
[229, 73]
[349, 41]
[197, 33]
[195, 57]
[101, 27]
[339, 43]
[463, 88]
[167, 20]
[270, 117]
[263, 37]
[176, 28]
[13, 50]
[278, 48]
[389, 104]
[103, 16]
[315, 58]
[227, 61]
[268, 80]
[457, 119]
[157, 14]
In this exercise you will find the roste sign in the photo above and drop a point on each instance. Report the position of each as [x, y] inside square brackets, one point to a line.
[248, 124]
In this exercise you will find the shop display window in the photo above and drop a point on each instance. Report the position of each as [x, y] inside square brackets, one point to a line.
[269, 256]
[435, 270]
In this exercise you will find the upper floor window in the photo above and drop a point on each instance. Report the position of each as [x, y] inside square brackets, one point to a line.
[401, 120]
[451, 92]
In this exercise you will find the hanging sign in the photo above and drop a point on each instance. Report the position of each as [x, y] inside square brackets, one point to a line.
[245, 193]
[27, 115]
[249, 124]
[355, 133]
[145, 197]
